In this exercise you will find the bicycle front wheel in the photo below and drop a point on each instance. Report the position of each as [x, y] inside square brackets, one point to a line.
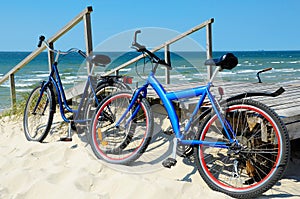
[254, 165]
[124, 143]
[38, 115]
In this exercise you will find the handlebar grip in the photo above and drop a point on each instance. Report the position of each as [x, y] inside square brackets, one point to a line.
[135, 44]
[82, 53]
[135, 35]
[266, 69]
[41, 39]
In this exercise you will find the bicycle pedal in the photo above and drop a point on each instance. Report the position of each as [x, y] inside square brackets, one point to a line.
[66, 139]
[168, 131]
[169, 162]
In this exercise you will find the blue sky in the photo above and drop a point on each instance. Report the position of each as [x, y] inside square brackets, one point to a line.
[239, 25]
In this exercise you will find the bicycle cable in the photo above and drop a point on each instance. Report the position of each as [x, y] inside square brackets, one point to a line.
[145, 63]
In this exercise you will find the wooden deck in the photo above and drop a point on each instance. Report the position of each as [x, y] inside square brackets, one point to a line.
[287, 105]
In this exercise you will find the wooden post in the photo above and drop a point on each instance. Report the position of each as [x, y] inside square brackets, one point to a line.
[84, 15]
[167, 60]
[50, 56]
[209, 47]
[12, 91]
[88, 35]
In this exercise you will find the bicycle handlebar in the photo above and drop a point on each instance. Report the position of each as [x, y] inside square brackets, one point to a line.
[42, 40]
[141, 48]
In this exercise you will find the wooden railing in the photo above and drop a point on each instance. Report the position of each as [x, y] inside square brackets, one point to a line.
[207, 24]
[85, 16]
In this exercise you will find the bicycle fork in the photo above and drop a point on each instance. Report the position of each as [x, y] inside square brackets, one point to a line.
[132, 105]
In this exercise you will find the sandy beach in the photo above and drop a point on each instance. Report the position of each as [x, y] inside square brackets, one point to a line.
[70, 170]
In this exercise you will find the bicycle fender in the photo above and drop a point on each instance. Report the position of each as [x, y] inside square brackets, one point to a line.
[241, 96]
[255, 94]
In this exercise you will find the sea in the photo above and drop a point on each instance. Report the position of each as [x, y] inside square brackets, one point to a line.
[186, 67]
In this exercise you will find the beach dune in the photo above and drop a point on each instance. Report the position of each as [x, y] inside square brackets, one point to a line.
[70, 170]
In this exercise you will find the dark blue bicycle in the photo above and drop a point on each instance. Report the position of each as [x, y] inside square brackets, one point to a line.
[41, 103]
[240, 146]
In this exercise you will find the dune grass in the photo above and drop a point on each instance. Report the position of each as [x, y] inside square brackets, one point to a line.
[17, 111]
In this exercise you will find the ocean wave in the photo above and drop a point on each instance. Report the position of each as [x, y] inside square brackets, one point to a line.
[247, 71]
[293, 62]
[24, 84]
[39, 71]
[277, 62]
[227, 73]
[70, 77]
[24, 90]
[32, 80]
[285, 62]
[17, 85]
[64, 81]
[42, 75]
[286, 70]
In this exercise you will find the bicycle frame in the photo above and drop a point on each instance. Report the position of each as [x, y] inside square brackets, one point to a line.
[54, 79]
[168, 97]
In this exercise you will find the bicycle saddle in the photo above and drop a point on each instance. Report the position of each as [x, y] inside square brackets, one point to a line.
[227, 61]
[99, 60]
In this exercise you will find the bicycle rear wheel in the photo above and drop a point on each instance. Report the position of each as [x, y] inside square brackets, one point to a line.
[38, 123]
[127, 142]
[104, 89]
[260, 161]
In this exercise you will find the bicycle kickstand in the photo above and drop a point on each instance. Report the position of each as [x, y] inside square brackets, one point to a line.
[69, 136]
[171, 161]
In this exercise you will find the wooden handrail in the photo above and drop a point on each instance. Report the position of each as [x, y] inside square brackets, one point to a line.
[192, 30]
[84, 15]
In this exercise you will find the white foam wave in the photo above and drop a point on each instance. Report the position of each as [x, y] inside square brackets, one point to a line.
[42, 75]
[70, 77]
[32, 80]
[293, 62]
[277, 62]
[24, 90]
[286, 70]
[64, 81]
[247, 71]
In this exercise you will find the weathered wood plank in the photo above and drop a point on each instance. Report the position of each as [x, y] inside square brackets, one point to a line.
[287, 105]
[71, 24]
[35, 53]
[192, 30]
[12, 90]
[88, 38]
[85, 14]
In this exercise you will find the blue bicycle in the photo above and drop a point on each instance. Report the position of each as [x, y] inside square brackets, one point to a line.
[240, 146]
[41, 103]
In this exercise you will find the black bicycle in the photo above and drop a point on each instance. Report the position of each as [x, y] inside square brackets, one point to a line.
[41, 103]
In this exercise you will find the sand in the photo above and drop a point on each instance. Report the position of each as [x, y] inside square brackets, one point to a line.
[70, 170]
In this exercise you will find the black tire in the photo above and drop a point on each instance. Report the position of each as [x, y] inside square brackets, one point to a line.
[123, 144]
[104, 88]
[262, 159]
[37, 124]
